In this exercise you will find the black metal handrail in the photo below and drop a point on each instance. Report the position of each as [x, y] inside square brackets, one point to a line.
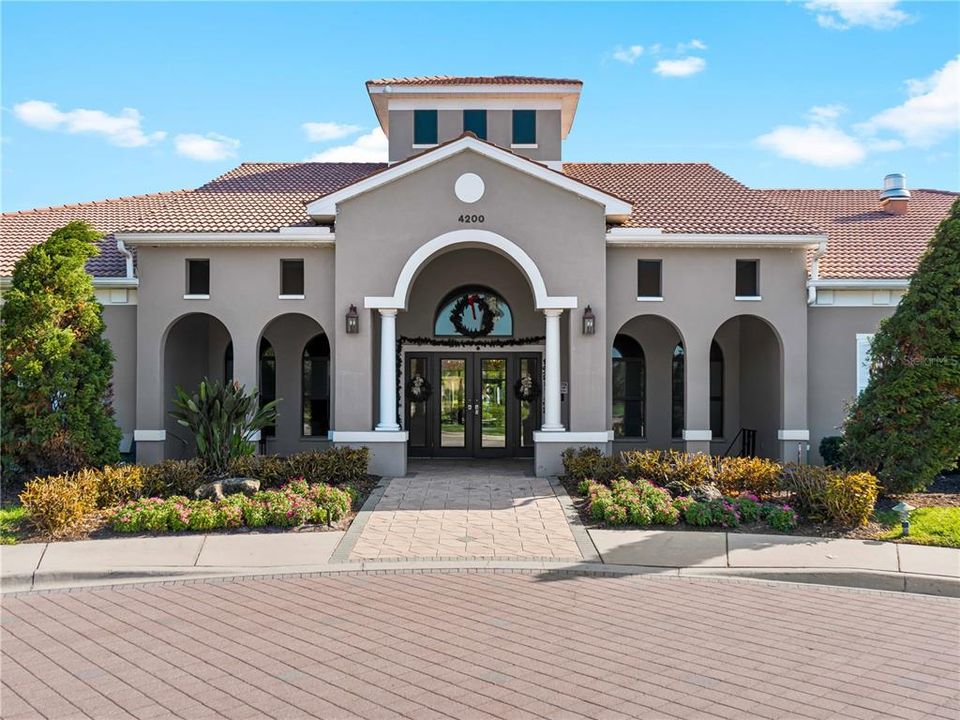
[748, 442]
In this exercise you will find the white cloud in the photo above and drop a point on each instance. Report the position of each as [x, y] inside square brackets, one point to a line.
[325, 131]
[826, 114]
[628, 55]
[845, 14]
[371, 147]
[814, 144]
[123, 130]
[692, 45]
[931, 113]
[680, 68]
[209, 147]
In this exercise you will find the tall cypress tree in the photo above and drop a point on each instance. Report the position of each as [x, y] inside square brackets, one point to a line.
[57, 366]
[905, 426]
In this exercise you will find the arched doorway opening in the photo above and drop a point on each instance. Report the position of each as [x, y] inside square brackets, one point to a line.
[294, 368]
[746, 387]
[644, 393]
[196, 346]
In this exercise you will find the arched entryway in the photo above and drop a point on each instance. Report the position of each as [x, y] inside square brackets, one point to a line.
[644, 394]
[470, 358]
[294, 367]
[195, 346]
[746, 395]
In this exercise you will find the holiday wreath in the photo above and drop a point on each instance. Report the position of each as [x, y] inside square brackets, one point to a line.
[526, 388]
[418, 389]
[476, 304]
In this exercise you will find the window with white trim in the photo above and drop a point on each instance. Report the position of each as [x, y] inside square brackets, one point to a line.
[864, 340]
[198, 277]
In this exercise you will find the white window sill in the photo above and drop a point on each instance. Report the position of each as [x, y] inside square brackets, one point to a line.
[188, 296]
[423, 146]
[645, 298]
[290, 297]
[748, 298]
[524, 146]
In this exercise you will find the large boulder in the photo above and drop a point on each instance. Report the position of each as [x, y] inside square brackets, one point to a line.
[706, 492]
[218, 489]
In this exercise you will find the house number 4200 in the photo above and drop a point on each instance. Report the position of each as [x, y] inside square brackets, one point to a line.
[471, 218]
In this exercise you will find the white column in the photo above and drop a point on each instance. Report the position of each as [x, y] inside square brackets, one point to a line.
[551, 390]
[388, 371]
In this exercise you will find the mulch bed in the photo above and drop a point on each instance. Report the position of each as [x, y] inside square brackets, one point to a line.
[95, 527]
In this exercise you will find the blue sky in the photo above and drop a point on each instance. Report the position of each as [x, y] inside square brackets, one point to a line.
[101, 100]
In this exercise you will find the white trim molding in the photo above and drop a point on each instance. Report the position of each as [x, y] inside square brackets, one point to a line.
[188, 296]
[324, 209]
[747, 298]
[602, 436]
[801, 435]
[698, 435]
[476, 238]
[655, 237]
[372, 436]
[649, 298]
[149, 435]
[291, 297]
[302, 237]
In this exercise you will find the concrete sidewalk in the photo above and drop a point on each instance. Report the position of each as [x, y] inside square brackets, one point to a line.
[856, 563]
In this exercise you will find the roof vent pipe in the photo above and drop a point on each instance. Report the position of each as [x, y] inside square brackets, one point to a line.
[895, 196]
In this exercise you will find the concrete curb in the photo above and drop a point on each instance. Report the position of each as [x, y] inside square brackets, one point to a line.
[64, 581]
[584, 542]
[341, 553]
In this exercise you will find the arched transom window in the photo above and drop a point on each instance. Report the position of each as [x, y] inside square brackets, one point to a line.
[473, 312]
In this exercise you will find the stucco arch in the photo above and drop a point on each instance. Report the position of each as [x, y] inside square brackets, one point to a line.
[470, 238]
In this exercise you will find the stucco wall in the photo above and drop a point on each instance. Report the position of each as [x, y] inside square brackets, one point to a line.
[121, 331]
[833, 364]
[698, 297]
[244, 285]
[499, 132]
[562, 233]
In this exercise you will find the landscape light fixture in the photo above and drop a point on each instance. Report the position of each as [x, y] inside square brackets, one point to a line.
[903, 510]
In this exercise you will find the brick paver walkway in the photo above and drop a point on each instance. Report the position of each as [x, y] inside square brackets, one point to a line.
[479, 645]
[467, 509]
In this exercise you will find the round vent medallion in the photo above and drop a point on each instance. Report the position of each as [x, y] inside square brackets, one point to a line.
[469, 187]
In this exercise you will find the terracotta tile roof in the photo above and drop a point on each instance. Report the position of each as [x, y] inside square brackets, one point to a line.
[21, 230]
[473, 80]
[864, 241]
[690, 198]
[254, 197]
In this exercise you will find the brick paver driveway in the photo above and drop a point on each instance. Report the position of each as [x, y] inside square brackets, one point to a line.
[467, 509]
[477, 645]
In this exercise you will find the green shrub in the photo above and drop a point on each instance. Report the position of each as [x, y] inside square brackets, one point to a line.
[58, 503]
[721, 513]
[736, 475]
[588, 463]
[625, 502]
[828, 494]
[749, 508]
[222, 416]
[117, 484]
[905, 425]
[271, 470]
[334, 466]
[648, 465]
[782, 518]
[173, 477]
[831, 450]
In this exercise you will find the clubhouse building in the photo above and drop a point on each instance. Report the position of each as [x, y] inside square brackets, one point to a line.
[478, 296]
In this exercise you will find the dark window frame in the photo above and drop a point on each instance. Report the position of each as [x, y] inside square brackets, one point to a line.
[716, 390]
[288, 262]
[425, 127]
[641, 276]
[678, 409]
[306, 395]
[743, 264]
[628, 354]
[267, 364]
[471, 126]
[190, 264]
[524, 121]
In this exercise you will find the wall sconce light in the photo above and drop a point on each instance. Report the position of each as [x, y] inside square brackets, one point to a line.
[353, 321]
[589, 321]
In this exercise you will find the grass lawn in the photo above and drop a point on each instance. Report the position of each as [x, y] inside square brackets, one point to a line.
[10, 519]
[928, 526]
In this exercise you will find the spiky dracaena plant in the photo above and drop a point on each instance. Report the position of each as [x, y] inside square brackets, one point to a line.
[56, 391]
[905, 426]
[222, 417]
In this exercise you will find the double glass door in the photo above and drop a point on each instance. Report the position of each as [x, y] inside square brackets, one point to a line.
[475, 405]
